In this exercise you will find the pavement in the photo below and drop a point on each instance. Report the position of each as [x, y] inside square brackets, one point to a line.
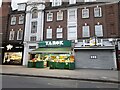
[110, 76]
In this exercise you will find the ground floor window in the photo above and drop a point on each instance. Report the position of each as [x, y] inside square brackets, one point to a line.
[12, 57]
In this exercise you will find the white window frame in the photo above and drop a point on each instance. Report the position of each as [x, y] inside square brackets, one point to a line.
[72, 1]
[12, 35]
[56, 2]
[49, 33]
[97, 12]
[34, 14]
[85, 13]
[99, 30]
[33, 39]
[49, 18]
[59, 33]
[34, 30]
[86, 31]
[18, 34]
[72, 16]
[73, 32]
[59, 15]
[13, 20]
[21, 19]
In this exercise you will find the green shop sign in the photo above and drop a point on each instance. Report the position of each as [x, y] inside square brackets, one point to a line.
[62, 43]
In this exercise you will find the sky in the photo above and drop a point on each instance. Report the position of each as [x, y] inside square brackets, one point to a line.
[14, 3]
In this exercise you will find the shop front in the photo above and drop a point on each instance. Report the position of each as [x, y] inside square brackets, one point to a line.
[12, 54]
[52, 54]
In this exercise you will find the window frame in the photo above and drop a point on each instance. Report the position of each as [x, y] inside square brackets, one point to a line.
[99, 9]
[49, 20]
[101, 29]
[21, 19]
[13, 36]
[88, 31]
[83, 13]
[59, 31]
[19, 31]
[49, 34]
[13, 19]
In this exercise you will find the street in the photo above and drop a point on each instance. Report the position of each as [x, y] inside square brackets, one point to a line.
[35, 82]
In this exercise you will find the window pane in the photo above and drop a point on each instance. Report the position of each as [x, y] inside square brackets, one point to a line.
[34, 14]
[49, 16]
[11, 37]
[33, 38]
[49, 34]
[85, 31]
[34, 27]
[59, 33]
[97, 12]
[21, 19]
[13, 20]
[59, 15]
[98, 30]
[85, 13]
[72, 33]
[20, 35]
[72, 14]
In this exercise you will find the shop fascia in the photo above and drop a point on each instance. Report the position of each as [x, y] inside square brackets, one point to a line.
[64, 43]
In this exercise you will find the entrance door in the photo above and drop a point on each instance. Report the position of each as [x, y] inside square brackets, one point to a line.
[96, 59]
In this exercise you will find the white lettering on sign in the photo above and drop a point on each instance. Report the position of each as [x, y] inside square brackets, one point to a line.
[54, 42]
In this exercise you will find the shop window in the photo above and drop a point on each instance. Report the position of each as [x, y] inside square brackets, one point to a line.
[72, 33]
[59, 15]
[19, 34]
[49, 16]
[85, 31]
[85, 13]
[97, 12]
[49, 34]
[72, 1]
[21, 19]
[34, 27]
[99, 30]
[13, 20]
[34, 13]
[59, 32]
[11, 35]
[33, 38]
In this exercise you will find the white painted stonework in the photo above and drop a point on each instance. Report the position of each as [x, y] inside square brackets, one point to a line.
[39, 35]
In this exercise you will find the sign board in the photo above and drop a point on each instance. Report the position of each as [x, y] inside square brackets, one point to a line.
[61, 43]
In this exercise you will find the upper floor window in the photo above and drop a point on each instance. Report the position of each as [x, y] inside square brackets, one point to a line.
[85, 13]
[89, 0]
[59, 33]
[12, 34]
[86, 31]
[72, 1]
[99, 30]
[19, 34]
[60, 15]
[97, 12]
[21, 19]
[34, 27]
[72, 33]
[35, 13]
[56, 2]
[33, 38]
[72, 14]
[13, 20]
[49, 16]
[49, 33]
